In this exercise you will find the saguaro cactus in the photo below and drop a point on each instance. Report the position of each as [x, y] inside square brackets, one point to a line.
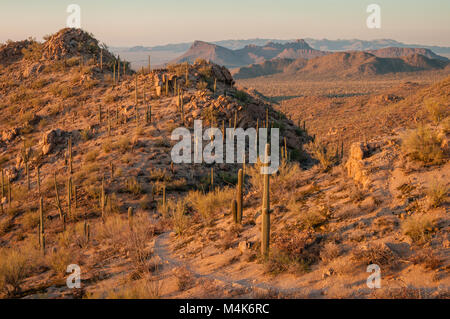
[234, 211]
[69, 197]
[130, 217]
[101, 59]
[135, 89]
[3, 183]
[265, 226]
[58, 203]
[38, 179]
[86, 232]
[239, 195]
[41, 225]
[103, 201]
[9, 192]
[70, 152]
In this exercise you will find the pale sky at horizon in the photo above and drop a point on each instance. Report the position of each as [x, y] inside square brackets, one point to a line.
[148, 23]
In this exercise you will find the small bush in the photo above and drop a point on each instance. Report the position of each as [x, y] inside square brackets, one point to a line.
[424, 145]
[324, 155]
[179, 220]
[437, 194]
[418, 227]
[330, 252]
[202, 85]
[15, 265]
[375, 254]
[436, 110]
[293, 252]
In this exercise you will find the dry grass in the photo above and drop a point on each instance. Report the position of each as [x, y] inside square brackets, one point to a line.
[418, 227]
[286, 179]
[207, 205]
[146, 288]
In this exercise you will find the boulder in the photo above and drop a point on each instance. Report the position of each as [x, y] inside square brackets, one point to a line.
[9, 134]
[51, 139]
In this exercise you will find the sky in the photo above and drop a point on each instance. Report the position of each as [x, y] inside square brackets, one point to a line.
[150, 22]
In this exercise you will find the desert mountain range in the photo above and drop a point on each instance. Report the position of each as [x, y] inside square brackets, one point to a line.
[300, 57]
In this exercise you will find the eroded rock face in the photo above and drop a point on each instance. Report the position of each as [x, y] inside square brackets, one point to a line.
[355, 164]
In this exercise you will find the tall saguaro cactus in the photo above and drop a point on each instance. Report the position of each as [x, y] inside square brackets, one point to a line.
[234, 211]
[130, 217]
[38, 179]
[239, 196]
[265, 226]
[41, 225]
[3, 183]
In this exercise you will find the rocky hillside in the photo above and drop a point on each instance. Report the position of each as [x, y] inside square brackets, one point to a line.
[88, 179]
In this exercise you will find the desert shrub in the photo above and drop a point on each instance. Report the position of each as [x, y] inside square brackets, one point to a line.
[207, 205]
[86, 134]
[59, 259]
[329, 252]
[123, 144]
[436, 110]
[5, 224]
[437, 193]
[293, 252]
[16, 264]
[70, 62]
[90, 84]
[31, 220]
[326, 157]
[158, 174]
[209, 114]
[39, 84]
[91, 156]
[179, 69]
[179, 219]
[427, 258]
[185, 279]
[424, 145]
[163, 142]
[312, 218]
[242, 96]
[206, 71]
[375, 254]
[202, 85]
[33, 52]
[418, 227]
[138, 238]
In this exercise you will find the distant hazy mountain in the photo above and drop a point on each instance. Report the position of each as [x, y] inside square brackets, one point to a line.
[249, 54]
[343, 64]
[162, 54]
